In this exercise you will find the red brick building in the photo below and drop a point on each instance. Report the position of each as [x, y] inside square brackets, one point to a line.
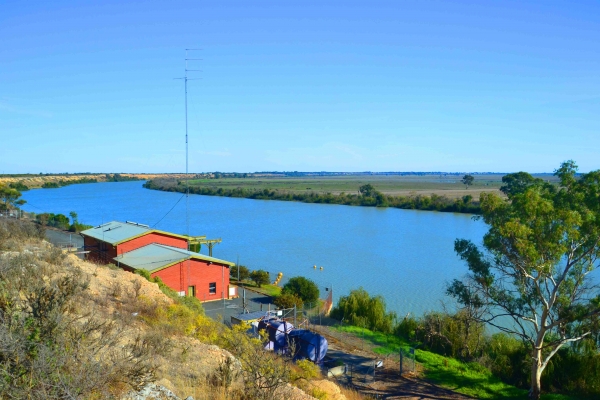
[187, 272]
[107, 241]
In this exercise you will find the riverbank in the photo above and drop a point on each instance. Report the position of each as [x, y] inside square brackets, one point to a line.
[24, 182]
[433, 202]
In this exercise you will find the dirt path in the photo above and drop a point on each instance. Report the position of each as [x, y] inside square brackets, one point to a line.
[387, 383]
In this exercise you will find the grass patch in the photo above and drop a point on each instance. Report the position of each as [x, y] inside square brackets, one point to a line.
[268, 289]
[471, 379]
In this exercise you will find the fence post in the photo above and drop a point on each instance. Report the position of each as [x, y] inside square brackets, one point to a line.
[295, 314]
[401, 356]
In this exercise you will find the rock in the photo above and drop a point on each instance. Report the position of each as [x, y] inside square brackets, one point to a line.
[152, 392]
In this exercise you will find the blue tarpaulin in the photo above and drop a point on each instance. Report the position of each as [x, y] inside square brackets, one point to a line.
[277, 331]
[308, 345]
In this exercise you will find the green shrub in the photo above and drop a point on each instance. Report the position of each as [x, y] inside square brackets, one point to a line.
[59, 221]
[360, 309]
[144, 273]
[20, 186]
[288, 300]
[302, 287]
[407, 328]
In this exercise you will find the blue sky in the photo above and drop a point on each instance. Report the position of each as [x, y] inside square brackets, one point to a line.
[308, 86]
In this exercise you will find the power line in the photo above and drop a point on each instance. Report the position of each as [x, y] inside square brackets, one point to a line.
[177, 202]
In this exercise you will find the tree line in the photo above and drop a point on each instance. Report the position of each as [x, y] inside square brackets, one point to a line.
[368, 197]
[62, 182]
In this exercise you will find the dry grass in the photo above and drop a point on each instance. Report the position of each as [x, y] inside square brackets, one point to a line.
[151, 337]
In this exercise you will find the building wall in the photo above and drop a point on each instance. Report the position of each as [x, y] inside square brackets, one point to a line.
[99, 251]
[150, 238]
[201, 275]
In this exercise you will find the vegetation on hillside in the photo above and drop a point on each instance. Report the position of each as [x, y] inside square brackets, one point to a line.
[368, 198]
[52, 345]
[96, 333]
[61, 221]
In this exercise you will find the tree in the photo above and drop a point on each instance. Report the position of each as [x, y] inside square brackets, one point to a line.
[73, 215]
[535, 265]
[367, 190]
[518, 182]
[9, 197]
[244, 273]
[468, 180]
[288, 300]
[260, 277]
[360, 309]
[302, 287]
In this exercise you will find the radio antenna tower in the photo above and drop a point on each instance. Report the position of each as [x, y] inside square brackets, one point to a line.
[187, 177]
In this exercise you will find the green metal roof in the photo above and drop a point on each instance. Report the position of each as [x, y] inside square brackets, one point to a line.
[154, 257]
[115, 232]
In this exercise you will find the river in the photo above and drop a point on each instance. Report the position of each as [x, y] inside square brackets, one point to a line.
[406, 256]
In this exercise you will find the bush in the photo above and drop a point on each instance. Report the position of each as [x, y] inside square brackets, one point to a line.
[302, 287]
[20, 186]
[78, 227]
[18, 231]
[504, 356]
[263, 373]
[288, 300]
[144, 273]
[53, 348]
[454, 335]
[407, 328]
[360, 309]
[260, 277]
[59, 221]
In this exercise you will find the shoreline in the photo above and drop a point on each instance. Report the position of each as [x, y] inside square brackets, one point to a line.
[418, 202]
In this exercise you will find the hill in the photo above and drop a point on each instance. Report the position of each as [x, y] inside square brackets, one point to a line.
[73, 329]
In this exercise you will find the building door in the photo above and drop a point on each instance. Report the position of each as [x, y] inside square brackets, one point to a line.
[191, 291]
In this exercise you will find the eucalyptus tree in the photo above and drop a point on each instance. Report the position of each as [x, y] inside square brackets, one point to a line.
[10, 197]
[468, 180]
[534, 275]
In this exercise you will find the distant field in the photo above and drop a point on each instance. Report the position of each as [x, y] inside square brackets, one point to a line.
[397, 185]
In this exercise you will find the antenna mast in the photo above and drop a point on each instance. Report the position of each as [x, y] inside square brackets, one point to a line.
[187, 176]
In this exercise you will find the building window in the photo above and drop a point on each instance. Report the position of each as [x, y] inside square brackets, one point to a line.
[212, 288]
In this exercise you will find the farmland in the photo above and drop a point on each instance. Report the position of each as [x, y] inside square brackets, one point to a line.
[448, 185]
